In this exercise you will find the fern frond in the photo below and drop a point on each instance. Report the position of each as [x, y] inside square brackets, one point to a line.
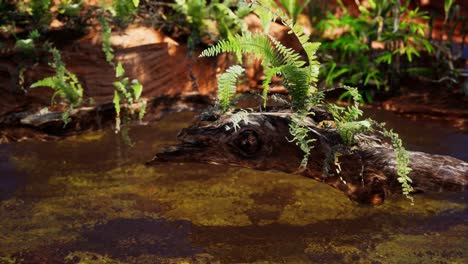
[51, 82]
[237, 118]
[227, 85]
[402, 160]
[256, 44]
[297, 83]
[288, 55]
[299, 131]
[269, 73]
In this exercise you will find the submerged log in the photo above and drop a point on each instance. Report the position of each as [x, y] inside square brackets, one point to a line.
[368, 172]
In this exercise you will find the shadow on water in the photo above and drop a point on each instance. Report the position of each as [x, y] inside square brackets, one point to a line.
[120, 238]
[10, 177]
[89, 198]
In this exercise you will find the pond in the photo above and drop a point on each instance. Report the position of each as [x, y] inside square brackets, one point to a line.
[90, 198]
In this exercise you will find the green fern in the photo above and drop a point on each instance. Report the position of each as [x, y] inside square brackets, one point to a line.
[239, 117]
[402, 161]
[124, 10]
[300, 79]
[255, 44]
[65, 84]
[106, 42]
[227, 85]
[126, 91]
[276, 59]
[300, 131]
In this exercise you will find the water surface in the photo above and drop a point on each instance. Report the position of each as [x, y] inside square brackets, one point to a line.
[90, 198]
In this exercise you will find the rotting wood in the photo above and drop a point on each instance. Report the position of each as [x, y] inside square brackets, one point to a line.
[368, 173]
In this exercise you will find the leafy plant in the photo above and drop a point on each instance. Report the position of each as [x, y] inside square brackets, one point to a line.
[448, 53]
[65, 84]
[356, 61]
[27, 45]
[128, 92]
[227, 85]
[106, 32]
[293, 7]
[346, 118]
[40, 10]
[402, 159]
[124, 10]
[208, 21]
[300, 77]
[300, 133]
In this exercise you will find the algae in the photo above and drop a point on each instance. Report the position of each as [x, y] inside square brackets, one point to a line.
[91, 198]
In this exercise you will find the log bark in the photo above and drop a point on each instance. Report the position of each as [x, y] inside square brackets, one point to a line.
[368, 169]
[45, 125]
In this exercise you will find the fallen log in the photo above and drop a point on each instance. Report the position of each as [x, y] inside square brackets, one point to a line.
[368, 172]
[47, 125]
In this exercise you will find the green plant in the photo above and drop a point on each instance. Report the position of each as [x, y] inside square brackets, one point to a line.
[123, 11]
[346, 118]
[40, 10]
[106, 32]
[402, 159]
[227, 85]
[300, 133]
[448, 53]
[293, 7]
[27, 45]
[370, 48]
[65, 84]
[69, 8]
[300, 79]
[126, 91]
[208, 21]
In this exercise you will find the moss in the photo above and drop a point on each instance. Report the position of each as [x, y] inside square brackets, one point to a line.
[445, 246]
[235, 215]
[86, 137]
[84, 257]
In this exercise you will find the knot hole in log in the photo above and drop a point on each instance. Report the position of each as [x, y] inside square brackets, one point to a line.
[248, 143]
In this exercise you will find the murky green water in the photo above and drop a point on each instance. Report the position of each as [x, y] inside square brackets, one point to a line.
[89, 198]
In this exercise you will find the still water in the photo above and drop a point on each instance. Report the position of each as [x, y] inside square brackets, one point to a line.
[91, 199]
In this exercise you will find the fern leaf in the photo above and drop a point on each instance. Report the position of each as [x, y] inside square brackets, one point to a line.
[289, 56]
[51, 82]
[227, 85]
[116, 101]
[269, 73]
[256, 44]
[297, 83]
[137, 89]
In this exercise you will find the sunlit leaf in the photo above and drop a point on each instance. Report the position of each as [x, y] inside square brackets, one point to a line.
[137, 89]
[119, 70]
